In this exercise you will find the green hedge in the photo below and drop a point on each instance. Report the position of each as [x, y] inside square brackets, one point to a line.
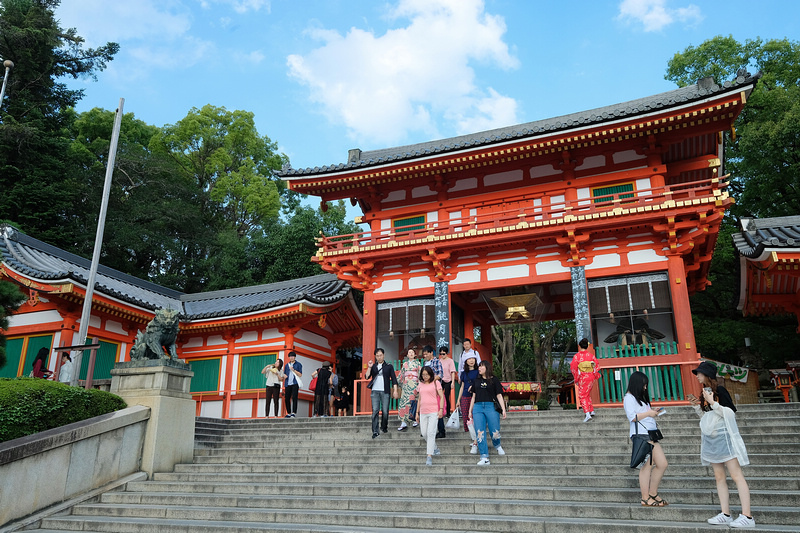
[30, 405]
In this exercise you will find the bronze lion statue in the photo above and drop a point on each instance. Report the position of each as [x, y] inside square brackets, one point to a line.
[158, 339]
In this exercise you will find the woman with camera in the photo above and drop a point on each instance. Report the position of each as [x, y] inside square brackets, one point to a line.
[721, 446]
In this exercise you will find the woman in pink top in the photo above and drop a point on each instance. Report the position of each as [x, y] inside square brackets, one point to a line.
[430, 406]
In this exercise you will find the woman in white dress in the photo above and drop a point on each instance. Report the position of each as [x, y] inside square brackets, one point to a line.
[721, 445]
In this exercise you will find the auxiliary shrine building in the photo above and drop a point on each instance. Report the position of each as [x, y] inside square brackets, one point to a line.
[226, 336]
[607, 216]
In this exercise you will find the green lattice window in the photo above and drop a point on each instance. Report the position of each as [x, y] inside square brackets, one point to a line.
[31, 346]
[409, 224]
[104, 361]
[13, 354]
[604, 195]
[250, 376]
[206, 374]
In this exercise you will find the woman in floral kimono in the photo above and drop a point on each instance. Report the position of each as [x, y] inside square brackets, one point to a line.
[584, 370]
[409, 380]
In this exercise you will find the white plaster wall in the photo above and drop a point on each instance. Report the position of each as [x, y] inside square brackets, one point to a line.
[115, 327]
[223, 367]
[627, 155]
[270, 333]
[390, 285]
[639, 257]
[421, 282]
[465, 185]
[604, 261]
[550, 267]
[28, 319]
[311, 338]
[508, 272]
[421, 192]
[215, 340]
[248, 336]
[433, 216]
[386, 224]
[194, 342]
[235, 372]
[395, 196]
[592, 162]
[467, 276]
[544, 170]
[503, 177]
[642, 185]
[241, 408]
[211, 409]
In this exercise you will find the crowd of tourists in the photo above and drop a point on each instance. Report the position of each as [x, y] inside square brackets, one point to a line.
[423, 387]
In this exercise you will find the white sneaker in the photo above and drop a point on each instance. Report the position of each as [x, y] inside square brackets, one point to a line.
[484, 461]
[473, 449]
[743, 522]
[720, 520]
[429, 462]
[415, 424]
[437, 451]
[588, 417]
[500, 450]
[402, 427]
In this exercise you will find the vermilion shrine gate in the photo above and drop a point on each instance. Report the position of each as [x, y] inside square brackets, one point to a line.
[607, 216]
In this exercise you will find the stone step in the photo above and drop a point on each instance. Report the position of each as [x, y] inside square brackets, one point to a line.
[507, 437]
[414, 475]
[207, 519]
[622, 458]
[449, 468]
[166, 492]
[568, 448]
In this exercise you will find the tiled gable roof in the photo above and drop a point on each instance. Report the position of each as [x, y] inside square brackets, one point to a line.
[49, 264]
[759, 234]
[704, 88]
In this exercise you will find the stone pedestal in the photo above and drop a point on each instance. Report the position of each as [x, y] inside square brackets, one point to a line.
[163, 386]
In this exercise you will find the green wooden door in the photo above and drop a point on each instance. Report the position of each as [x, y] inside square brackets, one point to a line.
[13, 354]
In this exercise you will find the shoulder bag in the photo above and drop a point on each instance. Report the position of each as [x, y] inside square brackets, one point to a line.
[641, 447]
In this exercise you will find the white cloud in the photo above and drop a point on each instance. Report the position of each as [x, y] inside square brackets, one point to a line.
[100, 21]
[381, 87]
[654, 15]
[240, 6]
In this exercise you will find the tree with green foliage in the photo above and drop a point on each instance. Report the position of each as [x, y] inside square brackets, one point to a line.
[40, 186]
[223, 153]
[763, 158]
[10, 300]
[538, 349]
[286, 248]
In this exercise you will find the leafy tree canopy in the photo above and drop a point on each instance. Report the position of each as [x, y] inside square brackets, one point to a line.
[763, 159]
[764, 156]
[37, 178]
[224, 154]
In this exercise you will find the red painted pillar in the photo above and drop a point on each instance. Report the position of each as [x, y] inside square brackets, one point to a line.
[370, 328]
[228, 384]
[682, 314]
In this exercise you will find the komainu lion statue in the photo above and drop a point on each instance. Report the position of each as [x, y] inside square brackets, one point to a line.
[159, 335]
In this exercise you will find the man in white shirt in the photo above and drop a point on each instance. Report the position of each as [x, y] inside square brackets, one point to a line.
[467, 353]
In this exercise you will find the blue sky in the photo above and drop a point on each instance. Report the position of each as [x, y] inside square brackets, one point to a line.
[325, 76]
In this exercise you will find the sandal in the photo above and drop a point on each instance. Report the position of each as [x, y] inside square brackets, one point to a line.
[658, 502]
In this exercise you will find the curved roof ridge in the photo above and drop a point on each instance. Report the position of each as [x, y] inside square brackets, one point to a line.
[704, 88]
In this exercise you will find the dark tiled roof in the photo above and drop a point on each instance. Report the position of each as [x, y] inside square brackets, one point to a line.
[704, 88]
[759, 234]
[323, 289]
[46, 263]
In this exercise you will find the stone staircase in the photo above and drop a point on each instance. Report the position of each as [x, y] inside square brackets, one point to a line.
[559, 475]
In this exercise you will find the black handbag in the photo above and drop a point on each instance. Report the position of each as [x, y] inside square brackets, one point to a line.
[641, 448]
[497, 406]
[655, 434]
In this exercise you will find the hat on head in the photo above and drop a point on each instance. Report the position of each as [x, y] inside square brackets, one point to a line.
[326, 364]
[707, 369]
